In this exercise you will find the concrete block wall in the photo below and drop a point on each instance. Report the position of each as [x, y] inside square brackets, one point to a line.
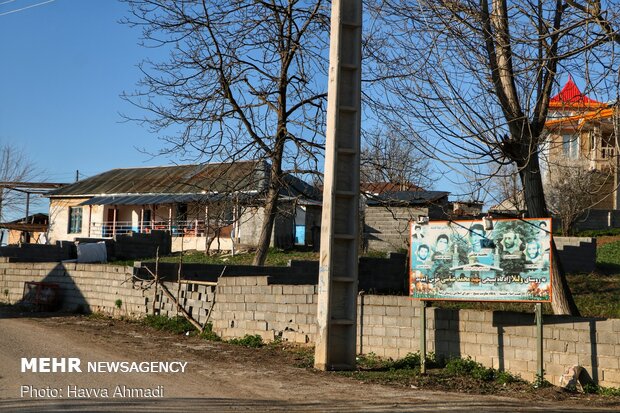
[39, 252]
[387, 229]
[387, 325]
[250, 305]
[577, 254]
[83, 287]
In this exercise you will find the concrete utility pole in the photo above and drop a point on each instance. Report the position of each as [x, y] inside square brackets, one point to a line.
[337, 307]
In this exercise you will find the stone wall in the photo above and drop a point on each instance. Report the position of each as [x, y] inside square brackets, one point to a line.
[387, 325]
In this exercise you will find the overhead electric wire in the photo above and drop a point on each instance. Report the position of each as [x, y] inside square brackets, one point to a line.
[24, 8]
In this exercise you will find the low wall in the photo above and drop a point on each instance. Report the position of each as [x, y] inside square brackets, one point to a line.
[387, 325]
[392, 278]
[39, 252]
[577, 254]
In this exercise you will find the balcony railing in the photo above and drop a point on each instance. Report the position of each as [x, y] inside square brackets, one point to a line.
[196, 228]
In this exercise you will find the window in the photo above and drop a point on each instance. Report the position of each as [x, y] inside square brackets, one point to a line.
[75, 220]
[570, 146]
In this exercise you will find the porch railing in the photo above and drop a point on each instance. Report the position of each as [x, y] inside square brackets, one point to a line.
[195, 228]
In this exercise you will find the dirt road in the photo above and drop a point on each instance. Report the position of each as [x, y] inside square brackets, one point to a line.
[218, 377]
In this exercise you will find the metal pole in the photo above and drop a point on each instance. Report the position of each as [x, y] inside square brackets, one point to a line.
[539, 342]
[423, 338]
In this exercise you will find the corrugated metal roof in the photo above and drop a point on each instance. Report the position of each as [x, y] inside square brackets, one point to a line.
[408, 198]
[181, 179]
[157, 199]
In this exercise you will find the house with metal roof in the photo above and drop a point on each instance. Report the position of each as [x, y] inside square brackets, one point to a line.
[214, 205]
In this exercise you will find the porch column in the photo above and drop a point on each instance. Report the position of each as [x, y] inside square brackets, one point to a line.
[141, 224]
[170, 219]
[114, 221]
[90, 219]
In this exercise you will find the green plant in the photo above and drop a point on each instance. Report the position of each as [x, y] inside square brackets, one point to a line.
[177, 325]
[540, 382]
[469, 367]
[248, 340]
[410, 361]
[118, 303]
[591, 388]
[369, 361]
[209, 334]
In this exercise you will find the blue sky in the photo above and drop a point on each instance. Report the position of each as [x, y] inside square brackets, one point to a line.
[64, 65]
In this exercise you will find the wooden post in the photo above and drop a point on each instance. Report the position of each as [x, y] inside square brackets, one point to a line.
[338, 263]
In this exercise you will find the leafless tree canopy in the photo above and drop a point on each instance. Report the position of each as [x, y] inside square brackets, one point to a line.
[14, 167]
[388, 157]
[573, 190]
[473, 78]
[243, 80]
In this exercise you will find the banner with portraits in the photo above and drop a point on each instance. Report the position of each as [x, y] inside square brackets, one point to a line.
[462, 260]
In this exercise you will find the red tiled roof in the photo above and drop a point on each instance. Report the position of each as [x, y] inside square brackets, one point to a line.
[571, 96]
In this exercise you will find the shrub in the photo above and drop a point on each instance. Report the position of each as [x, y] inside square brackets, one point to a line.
[177, 325]
[248, 340]
[209, 334]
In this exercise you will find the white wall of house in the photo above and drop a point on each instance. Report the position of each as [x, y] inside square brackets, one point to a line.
[247, 229]
[60, 218]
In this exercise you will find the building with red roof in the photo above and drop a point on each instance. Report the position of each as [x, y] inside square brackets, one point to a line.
[580, 131]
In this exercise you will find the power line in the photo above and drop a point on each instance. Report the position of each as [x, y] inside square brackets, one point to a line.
[24, 8]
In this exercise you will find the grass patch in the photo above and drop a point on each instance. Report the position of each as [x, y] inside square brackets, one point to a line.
[275, 257]
[176, 325]
[254, 341]
[599, 232]
[608, 257]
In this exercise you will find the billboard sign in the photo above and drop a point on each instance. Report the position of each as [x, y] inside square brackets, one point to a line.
[461, 260]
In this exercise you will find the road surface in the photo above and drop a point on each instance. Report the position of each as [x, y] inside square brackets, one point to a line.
[217, 377]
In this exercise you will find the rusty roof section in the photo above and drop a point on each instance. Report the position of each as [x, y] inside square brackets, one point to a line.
[385, 187]
[179, 179]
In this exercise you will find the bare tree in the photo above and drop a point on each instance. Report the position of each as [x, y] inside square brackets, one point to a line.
[505, 189]
[14, 167]
[573, 189]
[475, 78]
[242, 81]
[388, 157]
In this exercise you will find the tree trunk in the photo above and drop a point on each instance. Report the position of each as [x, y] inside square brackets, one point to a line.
[531, 179]
[271, 209]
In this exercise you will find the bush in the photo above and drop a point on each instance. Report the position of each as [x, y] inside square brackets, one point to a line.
[248, 340]
[410, 361]
[177, 325]
[209, 334]
[469, 367]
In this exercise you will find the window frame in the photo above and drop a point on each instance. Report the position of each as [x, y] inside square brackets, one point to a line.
[75, 220]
